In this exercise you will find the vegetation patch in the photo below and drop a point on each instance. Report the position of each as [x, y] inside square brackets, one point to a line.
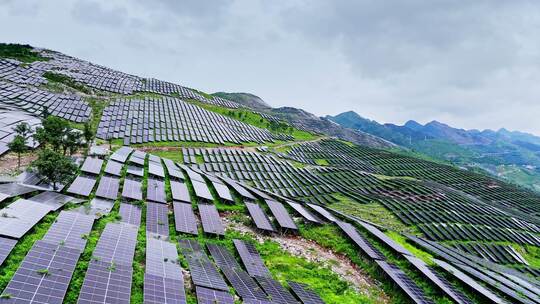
[371, 211]
[67, 81]
[21, 52]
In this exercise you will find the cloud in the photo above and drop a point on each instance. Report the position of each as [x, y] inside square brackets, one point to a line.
[473, 64]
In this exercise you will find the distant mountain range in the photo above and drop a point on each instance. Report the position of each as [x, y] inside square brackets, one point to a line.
[512, 155]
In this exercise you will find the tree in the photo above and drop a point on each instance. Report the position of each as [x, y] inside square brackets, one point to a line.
[45, 113]
[88, 134]
[53, 132]
[23, 129]
[18, 145]
[71, 142]
[54, 167]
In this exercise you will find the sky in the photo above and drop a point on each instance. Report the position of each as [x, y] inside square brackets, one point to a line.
[470, 64]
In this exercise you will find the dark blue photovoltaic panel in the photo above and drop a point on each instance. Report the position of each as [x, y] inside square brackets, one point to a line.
[364, 244]
[282, 216]
[404, 282]
[210, 219]
[210, 296]
[180, 191]
[6, 245]
[251, 259]
[184, 218]
[258, 216]
[306, 295]
[276, 292]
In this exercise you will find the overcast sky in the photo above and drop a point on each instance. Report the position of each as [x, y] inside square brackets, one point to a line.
[471, 64]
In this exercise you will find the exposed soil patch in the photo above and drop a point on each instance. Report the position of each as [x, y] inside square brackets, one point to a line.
[8, 162]
[313, 252]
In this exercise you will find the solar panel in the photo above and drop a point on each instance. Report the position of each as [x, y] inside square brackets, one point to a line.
[159, 290]
[157, 219]
[54, 199]
[223, 192]
[276, 292]
[156, 191]
[203, 271]
[467, 280]
[251, 259]
[440, 281]
[210, 219]
[135, 170]
[244, 285]
[156, 169]
[114, 168]
[180, 191]
[92, 165]
[70, 229]
[121, 154]
[82, 185]
[322, 211]
[44, 274]
[304, 212]
[108, 187]
[404, 282]
[20, 216]
[304, 293]
[222, 257]
[134, 159]
[201, 190]
[162, 259]
[184, 218]
[106, 283]
[368, 249]
[130, 214]
[210, 296]
[117, 244]
[132, 189]
[259, 217]
[12, 190]
[6, 245]
[282, 216]
[97, 207]
[384, 238]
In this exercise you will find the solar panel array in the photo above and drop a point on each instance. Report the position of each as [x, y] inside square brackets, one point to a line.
[172, 119]
[35, 100]
[184, 218]
[359, 240]
[114, 168]
[109, 274]
[281, 215]
[212, 296]
[180, 191]
[121, 155]
[130, 214]
[6, 245]
[54, 199]
[157, 219]
[163, 281]
[404, 282]
[210, 220]
[251, 259]
[20, 216]
[8, 121]
[132, 189]
[12, 190]
[203, 272]
[156, 191]
[306, 295]
[108, 187]
[276, 292]
[82, 185]
[45, 273]
[92, 165]
[260, 218]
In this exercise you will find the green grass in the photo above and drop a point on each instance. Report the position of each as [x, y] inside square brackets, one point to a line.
[174, 155]
[23, 53]
[254, 119]
[371, 211]
[321, 162]
[67, 81]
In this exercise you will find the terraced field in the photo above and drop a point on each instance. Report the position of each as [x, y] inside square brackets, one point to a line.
[177, 202]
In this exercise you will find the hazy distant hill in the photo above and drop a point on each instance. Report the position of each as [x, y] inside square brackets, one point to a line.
[513, 155]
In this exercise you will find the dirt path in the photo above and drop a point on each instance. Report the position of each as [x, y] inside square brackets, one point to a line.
[313, 252]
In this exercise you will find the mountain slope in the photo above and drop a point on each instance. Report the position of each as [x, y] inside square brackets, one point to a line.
[503, 153]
